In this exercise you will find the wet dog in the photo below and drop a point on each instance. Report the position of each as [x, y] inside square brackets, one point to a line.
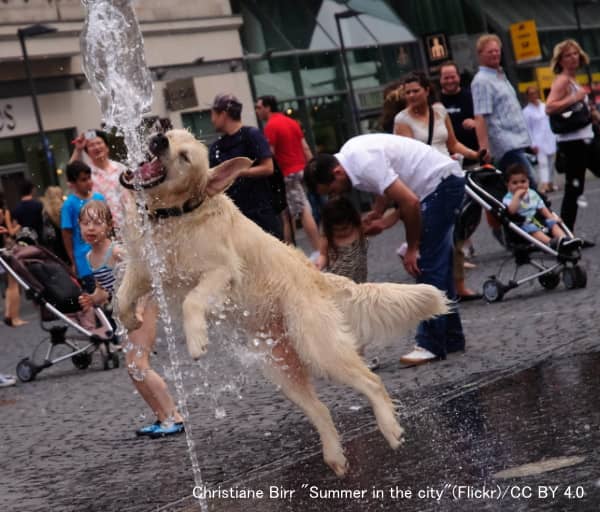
[213, 253]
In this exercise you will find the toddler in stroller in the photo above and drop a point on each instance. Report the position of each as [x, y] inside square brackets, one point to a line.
[538, 238]
[48, 282]
[529, 210]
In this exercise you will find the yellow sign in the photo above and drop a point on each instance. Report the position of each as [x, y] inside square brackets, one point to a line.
[526, 45]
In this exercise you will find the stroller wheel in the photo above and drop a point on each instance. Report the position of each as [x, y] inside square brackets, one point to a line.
[82, 361]
[26, 370]
[574, 277]
[550, 280]
[493, 290]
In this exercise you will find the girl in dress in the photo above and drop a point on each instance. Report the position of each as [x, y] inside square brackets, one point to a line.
[343, 246]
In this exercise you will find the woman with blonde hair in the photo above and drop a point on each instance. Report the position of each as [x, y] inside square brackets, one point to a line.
[53, 200]
[574, 144]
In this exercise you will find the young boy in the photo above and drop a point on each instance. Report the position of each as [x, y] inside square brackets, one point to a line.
[79, 176]
[526, 202]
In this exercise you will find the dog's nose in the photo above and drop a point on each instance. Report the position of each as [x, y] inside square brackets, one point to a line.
[158, 144]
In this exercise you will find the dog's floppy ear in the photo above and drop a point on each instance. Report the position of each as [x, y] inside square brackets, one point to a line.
[224, 174]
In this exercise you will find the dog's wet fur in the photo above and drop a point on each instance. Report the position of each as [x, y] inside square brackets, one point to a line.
[319, 320]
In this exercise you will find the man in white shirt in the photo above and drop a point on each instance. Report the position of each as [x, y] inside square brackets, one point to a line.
[427, 189]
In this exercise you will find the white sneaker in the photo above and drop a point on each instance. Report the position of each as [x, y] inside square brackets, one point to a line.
[7, 380]
[582, 202]
[418, 356]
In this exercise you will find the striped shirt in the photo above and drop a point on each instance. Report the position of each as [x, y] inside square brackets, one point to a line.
[495, 99]
[103, 273]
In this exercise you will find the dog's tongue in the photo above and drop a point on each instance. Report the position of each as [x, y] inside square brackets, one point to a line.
[150, 170]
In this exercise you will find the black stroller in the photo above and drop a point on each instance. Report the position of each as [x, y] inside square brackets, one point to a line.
[48, 282]
[485, 188]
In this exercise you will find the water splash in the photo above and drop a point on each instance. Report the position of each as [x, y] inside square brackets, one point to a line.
[113, 61]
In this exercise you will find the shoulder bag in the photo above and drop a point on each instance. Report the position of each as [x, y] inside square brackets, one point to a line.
[573, 118]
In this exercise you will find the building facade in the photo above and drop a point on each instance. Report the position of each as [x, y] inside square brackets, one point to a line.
[292, 50]
[192, 48]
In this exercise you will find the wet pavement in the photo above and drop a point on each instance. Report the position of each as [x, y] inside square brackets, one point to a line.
[524, 391]
[547, 416]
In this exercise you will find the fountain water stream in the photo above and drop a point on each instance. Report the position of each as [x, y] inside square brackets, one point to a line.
[114, 64]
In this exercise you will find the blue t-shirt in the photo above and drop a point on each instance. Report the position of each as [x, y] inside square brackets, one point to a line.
[248, 194]
[69, 219]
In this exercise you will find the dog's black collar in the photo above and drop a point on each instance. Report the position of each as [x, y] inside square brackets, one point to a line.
[174, 211]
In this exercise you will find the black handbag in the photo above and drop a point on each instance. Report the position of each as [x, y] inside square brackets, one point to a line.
[573, 118]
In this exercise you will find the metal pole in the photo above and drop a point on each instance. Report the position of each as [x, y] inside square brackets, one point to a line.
[348, 79]
[46, 147]
[580, 37]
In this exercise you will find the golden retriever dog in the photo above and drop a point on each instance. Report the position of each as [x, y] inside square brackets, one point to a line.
[213, 253]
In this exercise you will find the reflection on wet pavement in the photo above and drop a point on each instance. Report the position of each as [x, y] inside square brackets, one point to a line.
[453, 455]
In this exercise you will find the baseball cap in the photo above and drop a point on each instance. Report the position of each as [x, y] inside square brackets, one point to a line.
[227, 103]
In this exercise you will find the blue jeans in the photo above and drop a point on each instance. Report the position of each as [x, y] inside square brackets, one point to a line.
[439, 211]
[518, 156]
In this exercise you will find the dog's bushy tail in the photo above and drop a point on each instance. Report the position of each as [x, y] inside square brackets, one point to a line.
[381, 312]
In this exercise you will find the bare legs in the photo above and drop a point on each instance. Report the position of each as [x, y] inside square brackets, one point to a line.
[12, 304]
[149, 384]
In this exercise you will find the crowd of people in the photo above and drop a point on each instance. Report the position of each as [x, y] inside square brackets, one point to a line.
[414, 169]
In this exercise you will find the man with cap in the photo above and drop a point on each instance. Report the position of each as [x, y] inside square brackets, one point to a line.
[251, 191]
[427, 189]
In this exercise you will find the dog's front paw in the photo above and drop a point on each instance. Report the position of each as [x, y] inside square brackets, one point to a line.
[196, 347]
[196, 337]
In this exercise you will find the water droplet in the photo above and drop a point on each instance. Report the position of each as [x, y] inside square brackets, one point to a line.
[256, 342]
[246, 313]
[220, 413]
[355, 407]
[582, 202]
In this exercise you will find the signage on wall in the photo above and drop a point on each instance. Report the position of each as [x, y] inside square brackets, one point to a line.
[437, 48]
[17, 117]
[7, 119]
[526, 45]
[180, 94]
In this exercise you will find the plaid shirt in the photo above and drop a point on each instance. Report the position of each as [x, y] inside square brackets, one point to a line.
[495, 99]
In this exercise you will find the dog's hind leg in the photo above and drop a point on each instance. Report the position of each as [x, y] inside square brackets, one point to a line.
[285, 369]
[323, 343]
[351, 370]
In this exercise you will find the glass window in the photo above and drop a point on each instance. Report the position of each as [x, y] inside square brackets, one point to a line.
[200, 125]
[9, 152]
[275, 76]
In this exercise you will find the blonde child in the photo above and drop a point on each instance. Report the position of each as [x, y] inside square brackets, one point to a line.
[96, 224]
[343, 248]
[95, 221]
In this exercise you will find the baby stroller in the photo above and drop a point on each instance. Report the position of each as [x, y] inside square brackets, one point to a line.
[48, 282]
[485, 188]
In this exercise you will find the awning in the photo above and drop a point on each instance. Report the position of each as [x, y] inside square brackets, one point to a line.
[548, 14]
[379, 25]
